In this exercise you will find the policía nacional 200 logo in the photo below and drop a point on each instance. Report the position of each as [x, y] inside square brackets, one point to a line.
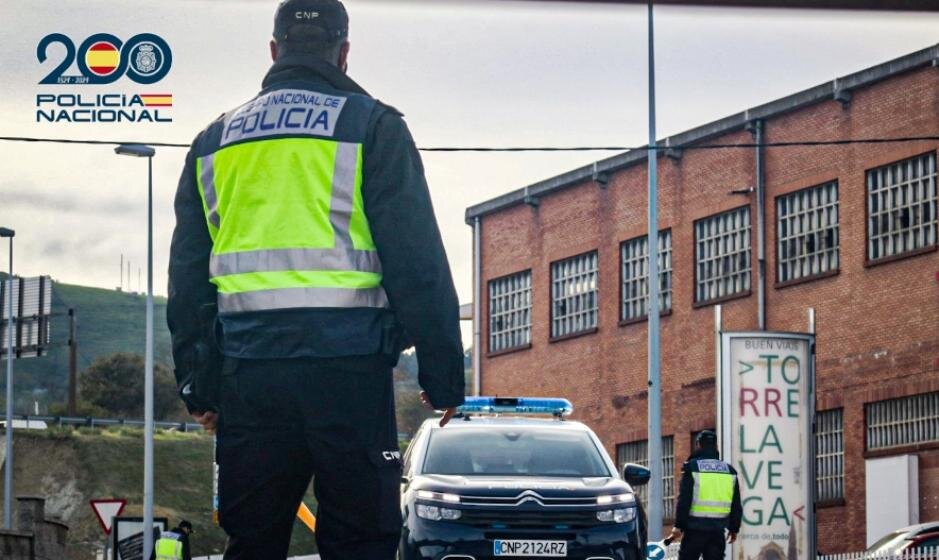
[103, 59]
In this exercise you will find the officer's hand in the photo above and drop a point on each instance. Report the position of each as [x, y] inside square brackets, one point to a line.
[732, 537]
[208, 420]
[447, 412]
[675, 534]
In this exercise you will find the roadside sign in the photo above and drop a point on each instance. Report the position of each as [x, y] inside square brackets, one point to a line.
[106, 510]
[128, 536]
[767, 408]
[655, 551]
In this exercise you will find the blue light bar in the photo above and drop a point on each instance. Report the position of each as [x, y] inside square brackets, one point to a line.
[517, 405]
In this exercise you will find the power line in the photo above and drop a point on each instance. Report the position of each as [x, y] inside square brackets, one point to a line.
[484, 149]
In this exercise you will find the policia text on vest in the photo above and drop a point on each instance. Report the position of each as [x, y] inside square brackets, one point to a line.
[305, 216]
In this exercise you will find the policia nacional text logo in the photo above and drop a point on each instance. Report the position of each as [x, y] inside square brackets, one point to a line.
[103, 59]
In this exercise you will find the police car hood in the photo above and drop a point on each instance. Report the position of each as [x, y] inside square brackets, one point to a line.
[508, 486]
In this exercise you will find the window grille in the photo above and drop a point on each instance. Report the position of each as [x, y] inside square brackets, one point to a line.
[901, 207]
[722, 255]
[638, 452]
[574, 305]
[510, 311]
[904, 421]
[807, 232]
[829, 455]
[635, 274]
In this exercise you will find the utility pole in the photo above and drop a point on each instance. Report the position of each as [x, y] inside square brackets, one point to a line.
[654, 440]
[8, 460]
[72, 365]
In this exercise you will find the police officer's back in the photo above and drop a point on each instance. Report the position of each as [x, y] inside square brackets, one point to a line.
[708, 502]
[173, 544]
[304, 215]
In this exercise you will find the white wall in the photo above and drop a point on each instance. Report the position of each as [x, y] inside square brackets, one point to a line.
[892, 489]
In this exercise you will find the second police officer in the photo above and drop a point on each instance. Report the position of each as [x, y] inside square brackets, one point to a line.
[709, 510]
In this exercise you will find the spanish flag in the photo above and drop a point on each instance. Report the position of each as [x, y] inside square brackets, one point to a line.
[157, 99]
[102, 58]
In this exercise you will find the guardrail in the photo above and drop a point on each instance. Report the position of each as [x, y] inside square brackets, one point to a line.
[920, 554]
[91, 422]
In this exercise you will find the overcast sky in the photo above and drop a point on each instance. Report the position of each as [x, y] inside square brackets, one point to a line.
[478, 73]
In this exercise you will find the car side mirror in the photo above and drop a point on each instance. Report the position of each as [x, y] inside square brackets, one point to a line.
[636, 475]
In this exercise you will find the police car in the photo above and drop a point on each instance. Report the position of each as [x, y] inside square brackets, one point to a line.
[498, 481]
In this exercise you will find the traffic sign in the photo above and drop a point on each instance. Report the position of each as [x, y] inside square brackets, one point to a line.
[655, 551]
[106, 510]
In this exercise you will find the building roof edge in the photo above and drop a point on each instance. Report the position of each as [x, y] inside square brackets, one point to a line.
[817, 94]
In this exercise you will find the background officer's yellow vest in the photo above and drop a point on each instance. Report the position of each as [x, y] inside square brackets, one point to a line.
[713, 490]
[286, 216]
[168, 547]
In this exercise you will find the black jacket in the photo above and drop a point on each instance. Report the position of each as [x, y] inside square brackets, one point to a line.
[416, 276]
[683, 519]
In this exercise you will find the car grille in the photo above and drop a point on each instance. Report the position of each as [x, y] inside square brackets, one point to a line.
[528, 519]
[527, 496]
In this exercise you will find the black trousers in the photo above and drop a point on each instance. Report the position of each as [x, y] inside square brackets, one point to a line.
[285, 421]
[695, 544]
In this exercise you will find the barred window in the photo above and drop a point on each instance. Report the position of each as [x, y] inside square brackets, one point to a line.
[904, 421]
[574, 305]
[722, 255]
[638, 452]
[510, 311]
[829, 455]
[901, 207]
[635, 273]
[807, 232]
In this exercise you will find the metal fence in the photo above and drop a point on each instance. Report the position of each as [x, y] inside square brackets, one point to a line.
[671, 553]
[90, 422]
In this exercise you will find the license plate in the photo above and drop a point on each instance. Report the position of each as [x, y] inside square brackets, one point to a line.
[554, 549]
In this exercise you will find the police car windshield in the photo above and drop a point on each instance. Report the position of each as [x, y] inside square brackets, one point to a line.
[512, 451]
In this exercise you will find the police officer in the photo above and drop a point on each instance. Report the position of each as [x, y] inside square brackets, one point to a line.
[708, 503]
[304, 214]
[174, 544]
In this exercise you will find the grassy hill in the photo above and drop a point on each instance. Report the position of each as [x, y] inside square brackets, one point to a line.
[70, 467]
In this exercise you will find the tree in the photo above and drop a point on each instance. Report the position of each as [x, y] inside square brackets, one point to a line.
[115, 384]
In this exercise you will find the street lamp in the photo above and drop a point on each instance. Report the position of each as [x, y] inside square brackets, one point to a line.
[140, 150]
[8, 474]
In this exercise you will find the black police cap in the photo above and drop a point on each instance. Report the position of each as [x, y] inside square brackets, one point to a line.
[706, 437]
[303, 19]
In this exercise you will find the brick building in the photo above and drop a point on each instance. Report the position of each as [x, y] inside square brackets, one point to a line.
[850, 230]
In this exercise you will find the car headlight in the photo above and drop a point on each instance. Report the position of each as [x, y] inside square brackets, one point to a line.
[616, 499]
[438, 496]
[435, 513]
[622, 515]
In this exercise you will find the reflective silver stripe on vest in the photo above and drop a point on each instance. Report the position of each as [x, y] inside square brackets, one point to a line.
[208, 188]
[286, 298]
[709, 514]
[707, 503]
[274, 260]
[340, 207]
